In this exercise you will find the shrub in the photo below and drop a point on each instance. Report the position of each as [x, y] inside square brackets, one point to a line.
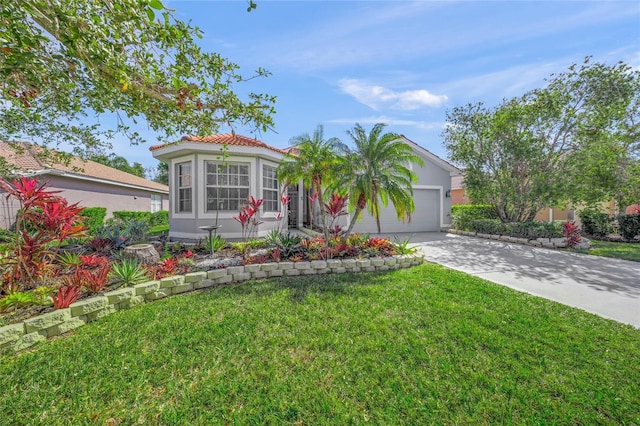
[159, 218]
[629, 225]
[128, 216]
[571, 233]
[94, 218]
[462, 215]
[43, 223]
[596, 223]
[487, 226]
[528, 230]
[533, 230]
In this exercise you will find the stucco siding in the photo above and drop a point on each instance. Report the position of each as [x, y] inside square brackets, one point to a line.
[88, 194]
[95, 194]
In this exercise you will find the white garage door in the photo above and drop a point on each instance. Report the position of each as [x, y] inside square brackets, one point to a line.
[426, 216]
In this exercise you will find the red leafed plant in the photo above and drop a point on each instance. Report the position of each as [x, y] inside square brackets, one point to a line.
[65, 296]
[247, 217]
[43, 222]
[572, 233]
[164, 268]
[93, 272]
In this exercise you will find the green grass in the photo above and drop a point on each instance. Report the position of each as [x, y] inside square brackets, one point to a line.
[425, 345]
[627, 251]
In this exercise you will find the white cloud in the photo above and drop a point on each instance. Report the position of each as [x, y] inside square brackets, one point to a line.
[425, 125]
[376, 97]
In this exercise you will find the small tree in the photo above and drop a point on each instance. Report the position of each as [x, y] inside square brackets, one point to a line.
[375, 172]
[314, 163]
[577, 139]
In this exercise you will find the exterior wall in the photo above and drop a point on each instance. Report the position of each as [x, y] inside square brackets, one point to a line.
[459, 197]
[95, 194]
[87, 194]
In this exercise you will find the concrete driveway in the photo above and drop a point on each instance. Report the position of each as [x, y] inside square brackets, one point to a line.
[606, 287]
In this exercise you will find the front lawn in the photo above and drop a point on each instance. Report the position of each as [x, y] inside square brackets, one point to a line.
[627, 251]
[425, 345]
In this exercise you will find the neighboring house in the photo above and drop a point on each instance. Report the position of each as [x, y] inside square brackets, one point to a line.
[85, 182]
[197, 167]
[458, 195]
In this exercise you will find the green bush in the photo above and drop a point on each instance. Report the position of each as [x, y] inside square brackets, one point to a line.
[488, 226]
[94, 218]
[160, 218]
[130, 216]
[595, 222]
[462, 215]
[533, 230]
[528, 230]
[629, 225]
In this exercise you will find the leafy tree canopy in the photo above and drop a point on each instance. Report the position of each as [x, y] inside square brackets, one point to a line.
[577, 139]
[120, 163]
[63, 63]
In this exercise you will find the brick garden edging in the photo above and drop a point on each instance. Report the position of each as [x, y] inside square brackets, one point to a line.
[20, 336]
[538, 242]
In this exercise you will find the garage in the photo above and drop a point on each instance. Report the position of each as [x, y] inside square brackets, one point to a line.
[425, 218]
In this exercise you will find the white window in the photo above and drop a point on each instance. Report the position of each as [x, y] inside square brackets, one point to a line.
[270, 189]
[156, 203]
[227, 185]
[184, 199]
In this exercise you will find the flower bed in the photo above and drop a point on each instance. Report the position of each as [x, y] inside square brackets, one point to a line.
[20, 336]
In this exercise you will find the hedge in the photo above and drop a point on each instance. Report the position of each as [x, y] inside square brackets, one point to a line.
[463, 214]
[94, 218]
[160, 218]
[596, 223]
[629, 225]
[128, 216]
[528, 230]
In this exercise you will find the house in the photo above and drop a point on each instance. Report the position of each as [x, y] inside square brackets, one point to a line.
[222, 171]
[207, 183]
[81, 181]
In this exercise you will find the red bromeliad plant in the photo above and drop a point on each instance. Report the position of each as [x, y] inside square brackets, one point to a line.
[93, 273]
[43, 222]
[170, 266]
[65, 296]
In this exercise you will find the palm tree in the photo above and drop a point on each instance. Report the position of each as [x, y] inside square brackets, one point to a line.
[313, 163]
[377, 171]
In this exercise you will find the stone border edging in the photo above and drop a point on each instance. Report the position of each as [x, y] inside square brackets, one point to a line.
[20, 336]
[553, 243]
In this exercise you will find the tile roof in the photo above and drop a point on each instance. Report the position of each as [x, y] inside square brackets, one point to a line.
[224, 139]
[26, 159]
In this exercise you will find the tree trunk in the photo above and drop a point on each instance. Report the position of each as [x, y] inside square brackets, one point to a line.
[144, 253]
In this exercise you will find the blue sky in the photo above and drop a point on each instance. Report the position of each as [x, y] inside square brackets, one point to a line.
[404, 63]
